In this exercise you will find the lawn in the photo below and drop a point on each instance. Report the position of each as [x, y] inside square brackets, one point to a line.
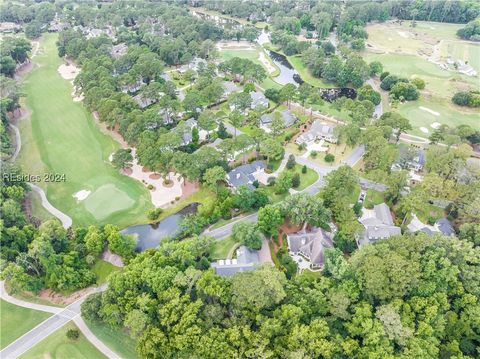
[353, 197]
[16, 321]
[37, 208]
[61, 137]
[429, 211]
[103, 269]
[220, 249]
[372, 198]
[116, 339]
[305, 74]
[306, 179]
[57, 345]
[405, 51]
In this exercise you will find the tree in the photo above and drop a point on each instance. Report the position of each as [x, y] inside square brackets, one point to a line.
[295, 180]
[284, 182]
[287, 93]
[376, 68]
[94, 241]
[235, 118]
[214, 175]
[395, 121]
[247, 233]
[366, 92]
[122, 159]
[123, 245]
[277, 126]
[271, 149]
[222, 131]
[351, 133]
[404, 91]
[329, 158]
[269, 218]
[73, 334]
[195, 134]
[241, 101]
[418, 83]
[304, 209]
[396, 183]
[291, 162]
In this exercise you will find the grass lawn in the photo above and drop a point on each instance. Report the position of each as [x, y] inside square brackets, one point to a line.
[116, 339]
[353, 198]
[372, 198]
[305, 74]
[57, 345]
[203, 195]
[404, 50]
[37, 208]
[311, 275]
[341, 152]
[306, 179]
[29, 296]
[103, 269]
[16, 321]
[61, 137]
[220, 249]
[429, 211]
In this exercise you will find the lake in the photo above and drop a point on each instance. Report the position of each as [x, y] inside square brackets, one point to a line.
[150, 235]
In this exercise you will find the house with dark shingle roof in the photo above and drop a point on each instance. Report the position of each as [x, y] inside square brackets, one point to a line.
[258, 100]
[246, 260]
[378, 225]
[318, 131]
[288, 118]
[310, 245]
[245, 175]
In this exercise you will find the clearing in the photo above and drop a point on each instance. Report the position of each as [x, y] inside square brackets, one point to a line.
[60, 137]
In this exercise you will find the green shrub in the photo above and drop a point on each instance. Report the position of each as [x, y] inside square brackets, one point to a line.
[153, 214]
[296, 180]
[73, 334]
[304, 169]
[329, 158]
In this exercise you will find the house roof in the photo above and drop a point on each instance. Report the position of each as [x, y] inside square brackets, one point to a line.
[246, 260]
[230, 87]
[311, 244]
[318, 129]
[445, 226]
[243, 175]
[119, 50]
[378, 225]
[258, 99]
[287, 117]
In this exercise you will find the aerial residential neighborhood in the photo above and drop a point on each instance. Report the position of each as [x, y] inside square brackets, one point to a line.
[240, 179]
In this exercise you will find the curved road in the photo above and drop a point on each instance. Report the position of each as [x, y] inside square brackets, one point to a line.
[60, 317]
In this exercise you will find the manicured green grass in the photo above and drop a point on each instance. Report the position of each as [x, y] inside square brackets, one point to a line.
[306, 179]
[36, 207]
[116, 339]
[103, 269]
[429, 211]
[305, 74]
[61, 137]
[353, 198]
[220, 249]
[372, 198]
[311, 275]
[57, 345]
[203, 195]
[16, 321]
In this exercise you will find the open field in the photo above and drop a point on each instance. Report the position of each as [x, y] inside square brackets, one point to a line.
[60, 137]
[103, 269]
[16, 321]
[416, 52]
[57, 345]
[115, 339]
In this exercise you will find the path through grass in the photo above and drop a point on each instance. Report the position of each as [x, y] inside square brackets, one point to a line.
[16, 321]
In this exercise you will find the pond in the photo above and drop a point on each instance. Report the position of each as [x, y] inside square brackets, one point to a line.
[149, 235]
[224, 23]
[288, 75]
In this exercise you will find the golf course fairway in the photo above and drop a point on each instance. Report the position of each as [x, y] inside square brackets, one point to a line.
[60, 137]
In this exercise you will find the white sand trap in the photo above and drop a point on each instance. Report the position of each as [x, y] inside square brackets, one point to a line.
[68, 72]
[265, 62]
[403, 34]
[435, 125]
[424, 129]
[434, 113]
[81, 195]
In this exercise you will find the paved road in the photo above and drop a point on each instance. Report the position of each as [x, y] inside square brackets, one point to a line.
[379, 108]
[60, 317]
[65, 219]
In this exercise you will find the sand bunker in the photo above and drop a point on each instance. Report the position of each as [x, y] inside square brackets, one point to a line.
[434, 113]
[68, 72]
[424, 129]
[266, 63]
[435, 125]
[81, 195]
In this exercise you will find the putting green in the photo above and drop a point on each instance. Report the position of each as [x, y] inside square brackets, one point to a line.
[61, 137]
[107, 200]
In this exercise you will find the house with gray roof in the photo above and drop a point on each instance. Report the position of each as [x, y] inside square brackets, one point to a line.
[288, 118]
[144, 102]
[245, 175]
[378, 225]
[442, 225]
[409, 158]
[258, 100]
[246, 260]
[230, 87]
[445, 226]
[318, 131]
[311, 245]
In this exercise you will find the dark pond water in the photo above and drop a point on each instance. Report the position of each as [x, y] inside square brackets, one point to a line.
[150, 235]
[224, 23]
[288, 75]
[332, 94]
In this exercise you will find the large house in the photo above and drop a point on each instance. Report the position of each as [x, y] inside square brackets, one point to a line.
[378, 225]
[310, 245]
[118, 50]
[245, 175]
[266, 120]
[409, 158]
[258, 100]
[442, 225]
[230, 87]
[246, 260]
[318, 131]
